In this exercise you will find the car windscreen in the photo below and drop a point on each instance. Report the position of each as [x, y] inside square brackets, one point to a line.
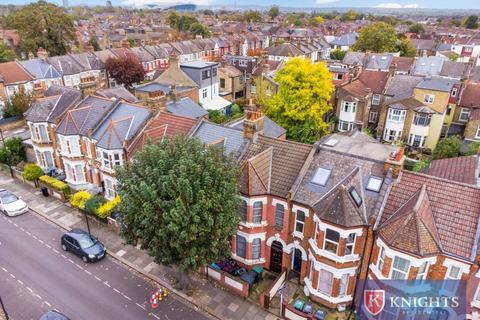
[86, 241]
[8, 198]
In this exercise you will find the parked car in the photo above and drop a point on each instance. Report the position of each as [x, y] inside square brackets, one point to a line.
[11, 205]
[54, 315]
[84, 245]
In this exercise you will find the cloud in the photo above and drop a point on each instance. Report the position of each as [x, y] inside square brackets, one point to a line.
[325, 1]
[394, 5]
[141, 3]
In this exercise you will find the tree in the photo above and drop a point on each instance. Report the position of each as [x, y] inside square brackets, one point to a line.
[126, 70]
[447, 148]
[378, 37]
[350, 15]
[43, 25]
[180, 22]
[6, 54]
[252, 16]
[303, 99]
[32, 172]
[471, 22]
[416, 28]
[180, 200]
[12, 152]
[473, 148]
[199, 29]
[94, 43]
[337, 54]
[19, 103]
[406, 48]
[274, 12]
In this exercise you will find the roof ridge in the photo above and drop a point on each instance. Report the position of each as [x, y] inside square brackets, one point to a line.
[442, 179]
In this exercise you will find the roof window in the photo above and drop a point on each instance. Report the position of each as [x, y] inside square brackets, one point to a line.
[321, 176]
[355, 196]
[374, 184]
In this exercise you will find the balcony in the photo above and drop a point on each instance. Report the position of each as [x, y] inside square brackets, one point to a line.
[87, 82]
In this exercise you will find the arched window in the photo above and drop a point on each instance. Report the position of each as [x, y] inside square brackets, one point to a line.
[256, 248]
[257, 212]
[279, 211]
[243, 211]
[241, 246]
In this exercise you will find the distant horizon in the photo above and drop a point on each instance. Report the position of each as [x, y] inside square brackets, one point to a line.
[394, 5]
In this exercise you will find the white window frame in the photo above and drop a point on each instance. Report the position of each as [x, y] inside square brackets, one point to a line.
[350, 244]
[464, 115]
[422, 274]
[204, 93]
[342, 124]
[336, 244]
[373, 116]
[454, 92]
[255, 210]
[343, 286]
[421, 119]
[257, 242]
[376, 99]
[300, 222]
[477, 134]
[429, 98]
[110, 191]
[396, 115]
[381, 259]
[393, 269]
[348, 106]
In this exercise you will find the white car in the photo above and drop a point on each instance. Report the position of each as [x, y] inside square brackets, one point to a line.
[11, 205]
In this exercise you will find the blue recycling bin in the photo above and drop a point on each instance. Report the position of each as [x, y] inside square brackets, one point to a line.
[319, 315]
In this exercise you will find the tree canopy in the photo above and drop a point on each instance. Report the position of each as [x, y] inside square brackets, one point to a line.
[43, 25]
[198, 29]
[416, 28]
[337, 54]
[378, 37]
[273, 12]
[187, 23]
[406, 48]
[18, 104]
[302, 100]
[126, 70]
[180, 200]
[6, 54]
[12, 151]
[447, 148]
[471, 22]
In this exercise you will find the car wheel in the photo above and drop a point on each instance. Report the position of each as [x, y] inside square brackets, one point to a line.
[84, 259]
[64, 247]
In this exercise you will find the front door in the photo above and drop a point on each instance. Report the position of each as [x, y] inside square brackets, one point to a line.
[276, 255]
[297, 262]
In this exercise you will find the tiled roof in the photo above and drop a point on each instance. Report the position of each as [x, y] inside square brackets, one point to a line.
[285, 50]
[403, 64]
[175, 76]
[11, 73]
[65, 65]
[470, 95]
[256, 173]
[453, 69]
[461, 169]
[374, 80]
[455, 208]
[287, 160]
[354, 58]
[412, 227]
[163, 124]
[117, 93]
[270, 128]
[40, 69]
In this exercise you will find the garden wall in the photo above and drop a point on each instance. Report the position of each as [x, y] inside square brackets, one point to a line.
[235, 285]
[267, 296]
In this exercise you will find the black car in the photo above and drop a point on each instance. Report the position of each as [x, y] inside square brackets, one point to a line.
[54, 315]
[83, 245]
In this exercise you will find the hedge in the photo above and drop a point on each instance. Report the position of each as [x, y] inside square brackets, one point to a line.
[56, 184]
[107, 208]
[79, 199]
[94, 203]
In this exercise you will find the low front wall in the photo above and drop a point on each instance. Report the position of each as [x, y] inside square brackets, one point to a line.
[267, 296]
[235, 285]
[290, 313]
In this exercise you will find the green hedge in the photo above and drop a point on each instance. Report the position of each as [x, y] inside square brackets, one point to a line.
[56, 184]
[94, 203]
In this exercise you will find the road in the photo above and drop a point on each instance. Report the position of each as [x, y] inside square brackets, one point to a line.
[37, 276]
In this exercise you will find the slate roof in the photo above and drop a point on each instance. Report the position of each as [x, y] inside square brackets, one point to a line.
[117, 93]
[120, 125]
[455, 209]
[453, 69]
[88, 61]
[163, 124]
[56, 101]
[437, 84]
[347, 39]
[285, 50]
[379, 61]
[402, 85]
[354, 58]
[40, 69]
[274, 162]
[186, 107]
[65, 65]
[210, 133]
[460, 169]
[424, 44]
[412, 227]
[82, 119]
[11, 73]
[428, 66]
[270, 128]
[198, 64]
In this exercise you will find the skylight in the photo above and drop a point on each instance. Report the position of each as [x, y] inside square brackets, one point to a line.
[331, 142]
[356, 197]
[321, 176]
[374, 184]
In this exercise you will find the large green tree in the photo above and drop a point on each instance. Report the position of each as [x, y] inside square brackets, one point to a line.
[6, 54]
[406, 48]
[43, 25]
[18, 104]
[274, 12]
[180, 200]
[471, 22]
[378, 37]
[416, 28]
[447, 148]
[303, 99]
[12, 152]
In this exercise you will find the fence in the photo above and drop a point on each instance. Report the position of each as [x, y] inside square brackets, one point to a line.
[290, 313]
[267, 296]
[235, 285]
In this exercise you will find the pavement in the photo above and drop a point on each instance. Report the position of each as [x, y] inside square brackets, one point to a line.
[37, 276]
[214, 300]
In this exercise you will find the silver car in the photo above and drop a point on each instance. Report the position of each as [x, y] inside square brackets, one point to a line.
[11, 205]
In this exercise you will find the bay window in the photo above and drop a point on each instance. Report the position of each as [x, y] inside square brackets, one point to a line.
[416, 141]
[396, 115]
[117, 159]
[422, 271]
[381, 259]
[79, 173]
[243, 211]
[325, 282]
[331, 241]
[110, 189]
[43, 133]
[349, 106]
[300, 221]
[345, 125]
[256, 248]
[350, 244]
[343, 285]
[279, 212]
[400, 268]
[241, 246]
[421, 119]
[257, 212]
[453, 273]
[105, 160]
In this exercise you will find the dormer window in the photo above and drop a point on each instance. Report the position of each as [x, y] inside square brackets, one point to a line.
[374, 184]
[321, 176]
[355, 196]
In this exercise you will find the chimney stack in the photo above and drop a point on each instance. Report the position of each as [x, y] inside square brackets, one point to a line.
[253, 124]
[395, 162]
[42, 53]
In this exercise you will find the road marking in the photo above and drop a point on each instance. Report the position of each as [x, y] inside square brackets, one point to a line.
[106, 283]
[29, 233]
[4, 269]
[19, 281]
[70, 260]
[126, 297]
[48, 304]
[156, 317]
[98, 278]
[41, 241]
[87, 272]
[11, 275]
[79, 266]
[28, 288]
[48, 246]
[140, 306]
[116, 290]
[22, 229]
[38, 296]
[16, 225]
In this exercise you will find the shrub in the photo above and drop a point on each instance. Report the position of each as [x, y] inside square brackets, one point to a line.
[107, 208]
[421, 165]
[12, 152]
[56, 184]
[32, 172]
[79, 199]
[447, 148]
[94, 203]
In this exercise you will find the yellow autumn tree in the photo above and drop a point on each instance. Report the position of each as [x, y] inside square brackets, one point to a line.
[303, 99]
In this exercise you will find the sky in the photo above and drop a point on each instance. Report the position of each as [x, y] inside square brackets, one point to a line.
[440, 4]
